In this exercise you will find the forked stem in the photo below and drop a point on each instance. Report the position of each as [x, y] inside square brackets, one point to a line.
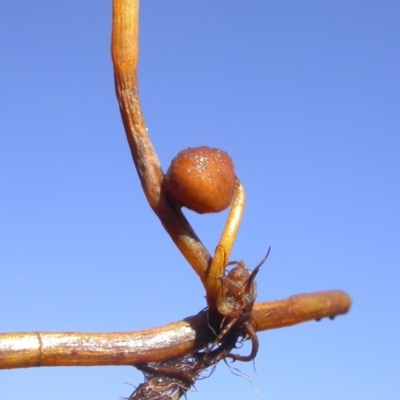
[21, 350]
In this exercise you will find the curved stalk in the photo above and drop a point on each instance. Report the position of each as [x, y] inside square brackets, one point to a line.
[124, 50]
[223, 250]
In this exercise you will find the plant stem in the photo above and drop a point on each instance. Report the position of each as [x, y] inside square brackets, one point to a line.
[124, 49]
[38, 349]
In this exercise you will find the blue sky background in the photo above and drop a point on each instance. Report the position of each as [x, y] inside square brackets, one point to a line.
[305, 98]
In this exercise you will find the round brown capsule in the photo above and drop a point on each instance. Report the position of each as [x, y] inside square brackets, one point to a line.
[201, 179]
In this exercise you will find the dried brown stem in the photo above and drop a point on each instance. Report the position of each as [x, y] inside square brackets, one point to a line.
[124, 49]
[22, 350]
